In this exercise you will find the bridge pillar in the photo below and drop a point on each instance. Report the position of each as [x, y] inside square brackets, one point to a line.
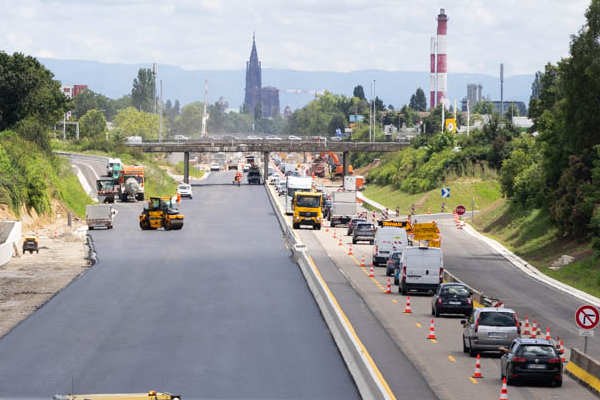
[345, 161]
[265, 167]
[186, 167]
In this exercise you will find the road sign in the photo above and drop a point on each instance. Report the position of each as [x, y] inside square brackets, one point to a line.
[445, 193]
[460, 210]
[587, 317]
[586, 332]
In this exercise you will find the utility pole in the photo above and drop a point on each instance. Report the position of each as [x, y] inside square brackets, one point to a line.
[371, 114]
[204, 114]
[160, 114]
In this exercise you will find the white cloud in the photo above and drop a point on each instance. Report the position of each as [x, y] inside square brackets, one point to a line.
[302, 34]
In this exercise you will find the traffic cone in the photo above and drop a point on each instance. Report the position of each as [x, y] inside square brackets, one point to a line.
[350, 250]
[340, 242]
[326, 229]
[533, 334]
[388, 287]
[407, 309]
[362, 262]
[371, 272]
[548, 337]
[504, 390]
[561, 350]
[477, 372]
[334, 235]
[526, 328]
[431, 335]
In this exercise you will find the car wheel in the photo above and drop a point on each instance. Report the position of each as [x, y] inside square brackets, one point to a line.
[387, 272]
[433, 313]
[372, 242]
[556, 383]
[465, 348]
[502, 374]
[353, 241]
[402, 288]
[295, 225]
[437, 312]
[472, 351]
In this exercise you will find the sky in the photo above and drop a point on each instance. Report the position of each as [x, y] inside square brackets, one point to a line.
[313, 35]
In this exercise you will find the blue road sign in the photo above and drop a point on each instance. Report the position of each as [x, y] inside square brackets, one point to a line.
[445, 193]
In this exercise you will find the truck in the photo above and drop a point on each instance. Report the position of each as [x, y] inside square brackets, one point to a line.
[307, 209]
[107, 190]
[113, 165]
[295, 184]
[319, 167]
[131, 183]
[99, 216]
[343, 208]
[253, 176]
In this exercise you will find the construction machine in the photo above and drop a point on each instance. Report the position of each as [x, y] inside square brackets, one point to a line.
[151, 395]
[160, 212]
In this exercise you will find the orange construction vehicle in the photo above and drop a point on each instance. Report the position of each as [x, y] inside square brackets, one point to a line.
[336, 164]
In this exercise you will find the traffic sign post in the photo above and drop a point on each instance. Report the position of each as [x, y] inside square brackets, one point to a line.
[445, 193]
[586, 318]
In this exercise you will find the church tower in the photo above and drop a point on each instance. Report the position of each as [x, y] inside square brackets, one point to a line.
[252, 99]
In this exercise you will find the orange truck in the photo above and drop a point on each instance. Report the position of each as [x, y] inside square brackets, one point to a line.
[131, 183]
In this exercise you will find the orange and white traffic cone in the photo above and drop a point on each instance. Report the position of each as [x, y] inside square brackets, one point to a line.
[388, 287]
[340, 242]
[326, 229]
[334, 235]
[548, 337]
[477, 372]
[407, 309]
[371, 272]
[526, 328]
[534, 328]
[362, 262]
[431, 335]
[561, 349]
[504, 390]
[350, 250]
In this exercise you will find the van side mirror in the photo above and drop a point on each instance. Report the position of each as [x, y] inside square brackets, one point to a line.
[463, 322]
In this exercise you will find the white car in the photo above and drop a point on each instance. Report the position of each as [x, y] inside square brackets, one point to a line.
[292, 137]
[184, 190]
[253, 137]
[180, 138]
[215, 167]
[246, 167]
[272, 137]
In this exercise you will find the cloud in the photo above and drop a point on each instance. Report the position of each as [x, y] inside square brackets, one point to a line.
[303, 34]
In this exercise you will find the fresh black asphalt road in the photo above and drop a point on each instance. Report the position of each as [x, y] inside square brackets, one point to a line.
[481, 267]
[216, 310]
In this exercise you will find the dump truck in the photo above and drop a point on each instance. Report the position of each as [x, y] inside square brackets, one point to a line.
[307, 209]
[319, 167]
[343, 208]
[160, 212]
[131, 183]
[107, 190]
[99, 216]
[151, 395]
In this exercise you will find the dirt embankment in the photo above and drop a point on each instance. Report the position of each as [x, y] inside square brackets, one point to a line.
[30, 280]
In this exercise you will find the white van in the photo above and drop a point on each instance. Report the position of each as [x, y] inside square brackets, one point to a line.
[421, 268]
[388, 239]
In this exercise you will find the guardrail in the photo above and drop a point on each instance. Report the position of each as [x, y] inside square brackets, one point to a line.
[367, 377]
[584, 369]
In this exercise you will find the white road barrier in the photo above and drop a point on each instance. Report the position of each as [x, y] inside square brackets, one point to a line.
[7, 250]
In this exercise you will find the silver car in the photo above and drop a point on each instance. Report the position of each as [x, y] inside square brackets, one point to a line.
[489, 329]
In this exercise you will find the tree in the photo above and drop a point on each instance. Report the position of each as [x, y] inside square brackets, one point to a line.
[142, 93]
[418, 102]
[483, 107]
[28, 91]
[132, 122]
[92, 125]
[189, 122]
[338, 121]
[359, 92]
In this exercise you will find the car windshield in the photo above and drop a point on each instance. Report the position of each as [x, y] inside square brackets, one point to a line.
[364, 227]
[308, 201]
[496, 318]
[455, 291]
[536, 350]
[184, 187]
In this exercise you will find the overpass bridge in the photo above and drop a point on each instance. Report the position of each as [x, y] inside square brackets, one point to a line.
[265, 147]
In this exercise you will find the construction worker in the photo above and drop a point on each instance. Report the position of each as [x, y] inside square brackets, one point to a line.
[178, 197]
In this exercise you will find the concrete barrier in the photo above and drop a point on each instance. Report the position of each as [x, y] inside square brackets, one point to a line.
[584, 369]
[10, 236]
[366, 375]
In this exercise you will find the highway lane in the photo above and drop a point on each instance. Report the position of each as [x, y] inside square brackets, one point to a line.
[217, 309]
[481, 267]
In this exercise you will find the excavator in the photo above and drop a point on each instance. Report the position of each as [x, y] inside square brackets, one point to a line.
[336, 164]
[151, 395]
[160, 212]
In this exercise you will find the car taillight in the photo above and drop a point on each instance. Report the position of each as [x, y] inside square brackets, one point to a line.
[519, 359]
[554, 361]
[439, 300]
[441, 275]
[469, 300]
[404, 272]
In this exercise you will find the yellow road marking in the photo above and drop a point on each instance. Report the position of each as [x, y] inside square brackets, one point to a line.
[583, 375]
[362, 347]
[451, 359]
[418, 324]
[394, 301]
[433, 340]
[473, 381]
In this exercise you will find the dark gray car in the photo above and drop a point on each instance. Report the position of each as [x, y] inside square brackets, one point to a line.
[364, 232]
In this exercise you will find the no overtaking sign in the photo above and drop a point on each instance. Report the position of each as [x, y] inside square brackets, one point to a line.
[587, 317]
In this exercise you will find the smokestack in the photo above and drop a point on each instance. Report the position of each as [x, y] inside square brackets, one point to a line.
[439, 66]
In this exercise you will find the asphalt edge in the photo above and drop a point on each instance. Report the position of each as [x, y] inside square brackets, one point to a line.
[368, 378]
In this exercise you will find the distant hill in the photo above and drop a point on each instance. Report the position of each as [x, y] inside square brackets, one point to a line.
[395, 87]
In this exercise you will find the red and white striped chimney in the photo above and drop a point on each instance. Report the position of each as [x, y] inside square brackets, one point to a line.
[439, 66]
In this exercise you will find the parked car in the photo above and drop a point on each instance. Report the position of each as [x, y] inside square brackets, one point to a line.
[352, 223]
[532, 359]
[272, 137]
[215, 167]
[392, 266]
[364, 231]
[292, 137]
[489, 329]
[336, 138]
[185, 190]
[452, 298]
[281, 187]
